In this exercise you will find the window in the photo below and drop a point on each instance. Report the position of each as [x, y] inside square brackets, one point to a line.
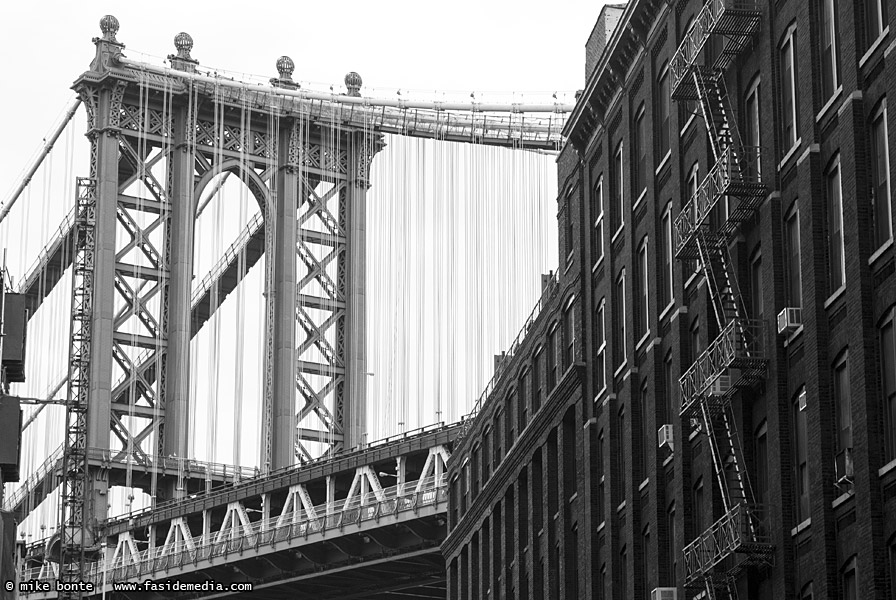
[537, 391]
[668, 253]
[647, 439]
[643, 291]
[801, 453]
[569, 334]
[881, 201]
[888, 379]
[789, 116]
[693, 186]
[669, 383]
[618, 196]
[622, 463]
[619, 341]
[671, 547]
[836, 254]
[663, 124]
[510, 419]
[756, 296]
[699, 508]
[849, 580]
[553, 356]
[694, 337]
[598, 240]
[689, 108]
[600, 478]
[830, 53]
[600, 324]
[523, 387]
[753, 128]
[876, 19]
[623, 572]
[843, 416]
[761, 456]
[806, 593]
[794, 268]
[640, 152]
[570, 232]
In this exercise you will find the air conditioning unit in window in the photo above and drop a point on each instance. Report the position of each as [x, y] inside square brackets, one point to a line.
[665, 593]
[720, 387]
[789, 320]
[803, 400]
[844, 467]
[665, 437]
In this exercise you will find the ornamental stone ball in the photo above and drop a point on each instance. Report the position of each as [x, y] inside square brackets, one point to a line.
[109, 27]
[184, 43]
[285, 67]
[353, 83]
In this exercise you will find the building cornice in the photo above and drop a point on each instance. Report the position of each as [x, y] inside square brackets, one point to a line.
[628, 39]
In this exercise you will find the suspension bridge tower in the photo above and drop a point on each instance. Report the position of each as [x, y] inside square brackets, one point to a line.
[157, 141]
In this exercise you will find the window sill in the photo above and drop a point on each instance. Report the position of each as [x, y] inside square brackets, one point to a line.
[668, 460]
[642, 341]
[694, 434]
[601, 526]
[640, 199]
[644, 484]
[873, 47]
[842, 498]
[667, 310]
[880, 251]
[833, 100]
[792, 338]
[890, 466]
[600, 393]
[621, 507]
[620, 368]
[663, 162]
[597, 264]
[687, 124]
[617, 234]
[801, 527]
[790, 153]
[692, 277]
[833, 297]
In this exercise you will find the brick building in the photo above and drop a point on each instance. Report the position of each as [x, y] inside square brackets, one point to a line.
[705, 398]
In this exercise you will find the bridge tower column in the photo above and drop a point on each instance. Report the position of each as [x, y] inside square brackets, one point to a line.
[354, 414]
[283, 297]
[103, 102]
[180, 270]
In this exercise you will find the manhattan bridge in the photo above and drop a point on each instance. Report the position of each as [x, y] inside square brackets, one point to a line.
[326, 510]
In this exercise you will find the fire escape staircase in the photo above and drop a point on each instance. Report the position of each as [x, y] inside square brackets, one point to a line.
[730, 195]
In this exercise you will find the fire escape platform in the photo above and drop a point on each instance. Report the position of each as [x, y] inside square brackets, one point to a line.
[737, 175]
[734, 360]
[740, 532]
[736, 21]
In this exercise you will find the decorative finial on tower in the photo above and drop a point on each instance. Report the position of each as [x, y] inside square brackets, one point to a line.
[183, 42]
[285, 68]
[109, 27]
[353, 83]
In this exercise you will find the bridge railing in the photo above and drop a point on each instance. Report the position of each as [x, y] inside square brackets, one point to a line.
[250, 479]
[413, 496]
[47, 252]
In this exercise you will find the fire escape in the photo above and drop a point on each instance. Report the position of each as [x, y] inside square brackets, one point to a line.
[729, 196]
